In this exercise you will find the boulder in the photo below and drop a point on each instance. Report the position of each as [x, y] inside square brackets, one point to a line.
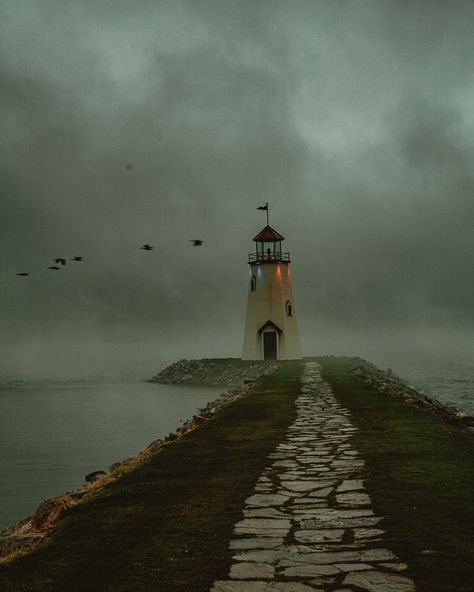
[49, 511]
[94, 476]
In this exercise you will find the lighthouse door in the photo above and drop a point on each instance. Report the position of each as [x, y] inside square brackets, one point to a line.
[269, 345]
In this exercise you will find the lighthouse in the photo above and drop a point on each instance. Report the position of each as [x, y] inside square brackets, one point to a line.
[271, 332]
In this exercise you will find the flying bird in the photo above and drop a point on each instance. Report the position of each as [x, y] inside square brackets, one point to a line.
[60, 260]
[147, 248]
[128, 167]
[53, 267]
[196, 242]
[23, 273]
[77, 259]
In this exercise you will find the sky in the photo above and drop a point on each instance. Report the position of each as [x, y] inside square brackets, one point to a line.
[125, 123]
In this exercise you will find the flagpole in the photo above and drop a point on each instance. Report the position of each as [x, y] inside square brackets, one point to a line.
[268, 223]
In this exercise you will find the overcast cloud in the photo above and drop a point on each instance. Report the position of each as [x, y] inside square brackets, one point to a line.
[355, 120]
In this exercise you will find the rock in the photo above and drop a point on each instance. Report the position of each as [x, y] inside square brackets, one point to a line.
[212, 372]
[319, 536]
[250, 571]
[49, 512]
[236, 586]
[94, 476]
[266, 500]
[20, 542]
[256, 543]
[376, 581]
[305, 570]
[350, 485]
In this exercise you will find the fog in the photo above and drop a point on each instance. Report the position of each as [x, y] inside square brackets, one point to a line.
[160, 122]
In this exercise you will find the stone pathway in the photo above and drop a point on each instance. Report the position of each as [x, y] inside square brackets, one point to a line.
[309, 525]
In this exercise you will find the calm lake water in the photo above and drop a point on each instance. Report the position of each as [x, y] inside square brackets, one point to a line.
[54, 433]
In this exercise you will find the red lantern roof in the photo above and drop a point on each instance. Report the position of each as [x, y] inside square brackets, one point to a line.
[268, 235]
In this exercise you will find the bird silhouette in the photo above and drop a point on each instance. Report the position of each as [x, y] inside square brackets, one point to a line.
[128, 166]
[23, 273]
[53, 267]
[196, 242]
[77, 259]
[60, 260]
[147, 248]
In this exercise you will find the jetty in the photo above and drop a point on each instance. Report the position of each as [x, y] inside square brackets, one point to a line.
[320, 474]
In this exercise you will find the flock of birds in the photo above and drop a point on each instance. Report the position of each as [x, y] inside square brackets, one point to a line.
[61, 261]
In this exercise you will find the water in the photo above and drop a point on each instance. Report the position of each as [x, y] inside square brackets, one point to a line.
[54, 433]
[450, 382]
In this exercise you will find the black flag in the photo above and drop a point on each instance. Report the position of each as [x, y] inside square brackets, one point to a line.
[265, 207]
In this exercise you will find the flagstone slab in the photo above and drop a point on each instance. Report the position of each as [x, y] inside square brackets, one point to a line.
[259, 499]
[270, 556]
[353, 499]
[377, 555]
[234, 586]
[319, 536]
[306, 513]
[251, 571]
[264, 523]
[350, 485]
[375, 581]
[262, 532]
[322, 492]
[367, 533]
[326, 514]
[285, 463]
[395, 566]
[307, 571]
[340, 522]
[353, 566]
[256, 543]
[264, 513]
[300, 486]
[288, 587]
[301, 501]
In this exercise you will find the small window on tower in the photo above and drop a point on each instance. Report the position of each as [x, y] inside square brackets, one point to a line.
[289, 309]
[253, 283]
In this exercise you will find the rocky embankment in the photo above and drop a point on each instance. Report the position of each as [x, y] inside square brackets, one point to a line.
[238, 375]
[386, 381]
[214, 372]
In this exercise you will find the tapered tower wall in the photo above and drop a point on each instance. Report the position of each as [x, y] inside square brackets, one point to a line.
[270, 298]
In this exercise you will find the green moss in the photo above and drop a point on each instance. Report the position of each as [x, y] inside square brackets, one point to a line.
[420, 474]
[166, 525]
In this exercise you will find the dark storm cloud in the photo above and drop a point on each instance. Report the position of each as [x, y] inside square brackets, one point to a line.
[353, 119]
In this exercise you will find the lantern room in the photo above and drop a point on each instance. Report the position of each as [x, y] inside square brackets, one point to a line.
[268, 247]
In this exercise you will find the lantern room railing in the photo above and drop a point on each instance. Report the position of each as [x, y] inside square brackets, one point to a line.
[269, 257]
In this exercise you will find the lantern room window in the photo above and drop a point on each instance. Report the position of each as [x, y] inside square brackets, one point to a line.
[289, 309]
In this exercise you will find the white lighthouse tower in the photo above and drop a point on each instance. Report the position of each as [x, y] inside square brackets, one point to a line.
[271, 332]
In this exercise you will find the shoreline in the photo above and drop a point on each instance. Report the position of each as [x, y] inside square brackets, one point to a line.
[388, 382]
[31, 531]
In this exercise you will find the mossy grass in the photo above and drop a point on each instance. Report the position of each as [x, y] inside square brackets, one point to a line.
[420, 474]
[166, 525]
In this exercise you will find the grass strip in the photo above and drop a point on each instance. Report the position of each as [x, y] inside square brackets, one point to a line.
[420, 474]
[166, 525]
